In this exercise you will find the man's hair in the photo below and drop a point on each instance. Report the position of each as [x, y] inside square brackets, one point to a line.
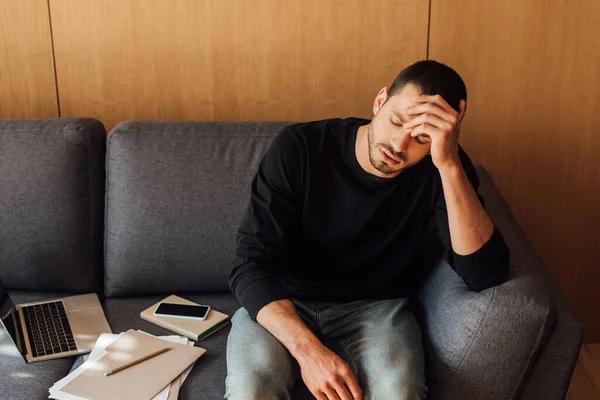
[432, 78]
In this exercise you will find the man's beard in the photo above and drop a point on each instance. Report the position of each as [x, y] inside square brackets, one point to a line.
[380, 165]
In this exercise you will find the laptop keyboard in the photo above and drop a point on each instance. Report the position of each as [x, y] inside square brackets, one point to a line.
[48, 328]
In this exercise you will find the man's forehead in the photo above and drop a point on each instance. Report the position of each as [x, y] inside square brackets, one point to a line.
[404, 99]
[398, 107]
[399, 116]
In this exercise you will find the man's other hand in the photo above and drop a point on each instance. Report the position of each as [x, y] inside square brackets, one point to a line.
[327, 376]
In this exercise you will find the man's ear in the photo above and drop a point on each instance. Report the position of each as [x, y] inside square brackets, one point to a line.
[380, 99]
[462, 109]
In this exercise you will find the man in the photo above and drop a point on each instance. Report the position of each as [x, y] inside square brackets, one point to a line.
[337, 210]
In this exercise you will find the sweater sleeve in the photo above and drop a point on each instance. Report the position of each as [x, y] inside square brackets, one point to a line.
[487, 266]
[268, 227]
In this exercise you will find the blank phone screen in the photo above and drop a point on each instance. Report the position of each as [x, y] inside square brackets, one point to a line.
[182, 310]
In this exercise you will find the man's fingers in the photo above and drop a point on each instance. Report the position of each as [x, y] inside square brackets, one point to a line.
[331, 394]
[343, 392]
[438, 100]
[429, 108]
[354, 389]
[350, 384]
[426, 129]
[430, 119]
[319, 395]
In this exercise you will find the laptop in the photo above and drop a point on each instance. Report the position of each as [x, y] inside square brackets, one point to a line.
[49, 329]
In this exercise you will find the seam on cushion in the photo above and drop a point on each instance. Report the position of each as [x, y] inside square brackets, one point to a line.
[101, 170]
[106, 186]
[245, 135]
[92, 198]
[82, 129]
[468, 351]
[535, 351]
[220, 135]
[98, 269]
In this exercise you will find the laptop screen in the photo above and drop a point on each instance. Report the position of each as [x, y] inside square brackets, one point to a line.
[8, 316]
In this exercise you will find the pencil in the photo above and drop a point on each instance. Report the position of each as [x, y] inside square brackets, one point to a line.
[139, 360]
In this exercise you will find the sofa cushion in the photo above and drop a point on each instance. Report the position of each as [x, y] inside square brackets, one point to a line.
[52, 204]
[22, 381]
[176, 193]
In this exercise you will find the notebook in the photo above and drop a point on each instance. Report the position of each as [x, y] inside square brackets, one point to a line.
[170, 392]
[193, 329]
[142, 381]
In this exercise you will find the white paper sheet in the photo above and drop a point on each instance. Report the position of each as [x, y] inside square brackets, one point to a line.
[97, 352]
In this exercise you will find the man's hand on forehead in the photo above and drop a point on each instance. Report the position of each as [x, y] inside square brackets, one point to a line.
[431, 104]
[433, 117]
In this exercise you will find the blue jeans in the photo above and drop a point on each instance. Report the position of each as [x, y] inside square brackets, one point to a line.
[379, 339]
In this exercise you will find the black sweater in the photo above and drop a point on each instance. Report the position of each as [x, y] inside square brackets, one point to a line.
[319, 227]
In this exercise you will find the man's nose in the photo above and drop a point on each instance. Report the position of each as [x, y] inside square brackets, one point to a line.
[400, 141]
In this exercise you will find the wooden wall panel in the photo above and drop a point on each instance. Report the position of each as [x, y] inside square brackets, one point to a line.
[27, 85]
[532, 74]
[231, 60]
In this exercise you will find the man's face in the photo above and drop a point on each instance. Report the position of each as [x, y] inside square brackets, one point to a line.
[391, 149]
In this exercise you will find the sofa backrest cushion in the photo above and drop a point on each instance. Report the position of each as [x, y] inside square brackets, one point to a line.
[176, 194]
[52, 204]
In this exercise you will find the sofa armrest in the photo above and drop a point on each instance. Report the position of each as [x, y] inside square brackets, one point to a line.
[486, 344]
[553, 369]
[481, 344]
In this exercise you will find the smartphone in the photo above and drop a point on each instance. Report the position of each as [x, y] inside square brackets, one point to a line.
[172, 310]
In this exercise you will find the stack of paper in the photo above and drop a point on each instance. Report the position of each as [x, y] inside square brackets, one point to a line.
[88, 382]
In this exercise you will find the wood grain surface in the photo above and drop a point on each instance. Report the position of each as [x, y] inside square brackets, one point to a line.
[233, 60]
[532, 120]
[27, 85]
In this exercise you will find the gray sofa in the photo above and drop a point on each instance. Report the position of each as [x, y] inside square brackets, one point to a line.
[153, 210]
